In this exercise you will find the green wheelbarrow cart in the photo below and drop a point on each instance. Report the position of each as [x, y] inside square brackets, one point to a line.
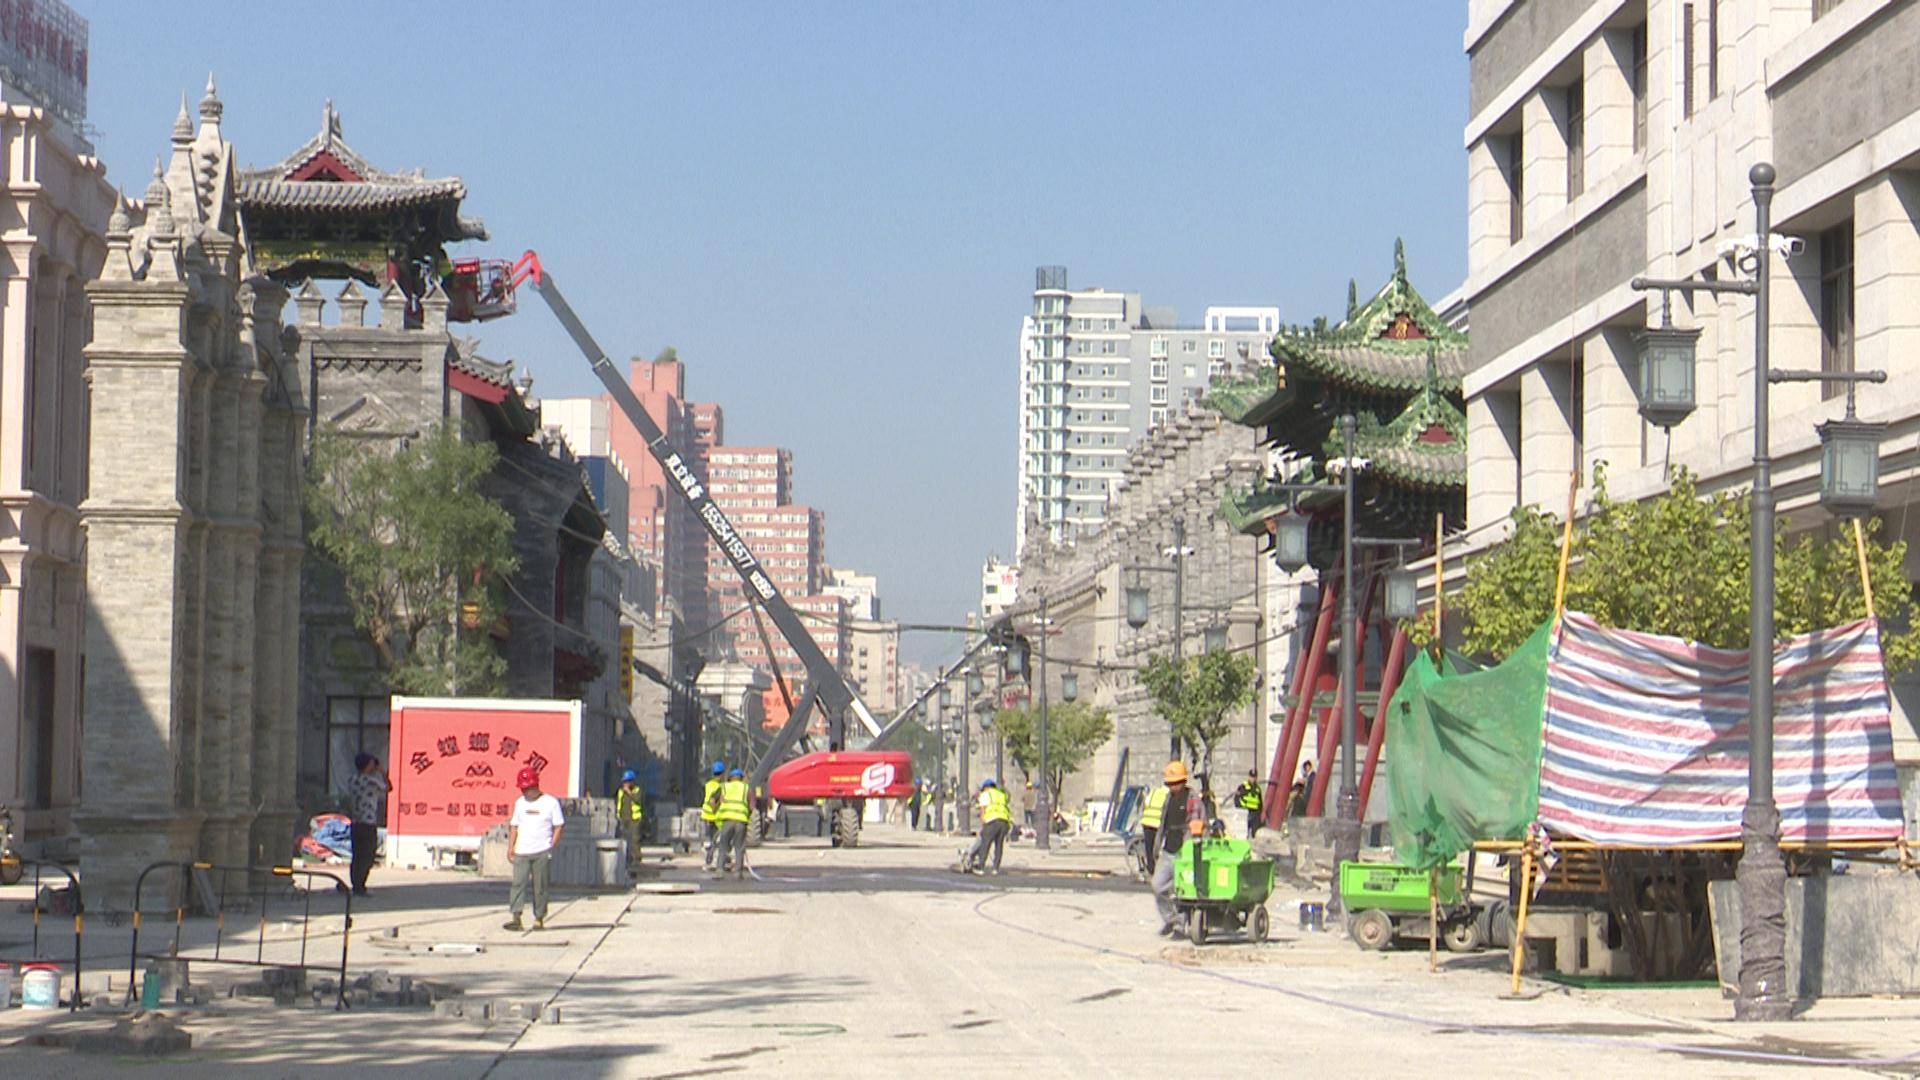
[1232, 890]
[1385, 901]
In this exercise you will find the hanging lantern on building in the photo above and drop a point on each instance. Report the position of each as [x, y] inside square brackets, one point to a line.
[1666, 373]
[1290, 542]
[1403, 594]
[1016, 658]
[976, 685]
[1136, 606]
[1069, 686]
[1849, 464]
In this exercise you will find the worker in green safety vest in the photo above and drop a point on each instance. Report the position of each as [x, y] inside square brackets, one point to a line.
[629, 809]
[1150, 823]
[996, 819]
[734, 813]
[710, 814]
[1247, 797]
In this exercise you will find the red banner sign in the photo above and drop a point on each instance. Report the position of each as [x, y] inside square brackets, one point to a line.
[455, 760]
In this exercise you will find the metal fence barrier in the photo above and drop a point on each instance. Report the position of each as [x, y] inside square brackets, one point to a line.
[79, 919]
[261, 882]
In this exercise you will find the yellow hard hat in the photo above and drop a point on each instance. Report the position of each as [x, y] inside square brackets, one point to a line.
[1174, 773]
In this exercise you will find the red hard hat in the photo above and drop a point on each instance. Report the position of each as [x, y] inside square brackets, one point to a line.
[526, 778]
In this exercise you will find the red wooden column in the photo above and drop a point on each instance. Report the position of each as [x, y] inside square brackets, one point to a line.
[1377, 730]
[1286, 750]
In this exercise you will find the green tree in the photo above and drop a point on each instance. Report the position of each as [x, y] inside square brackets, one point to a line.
[1074, 731]
[1198, 696]
[420, 549]
[1677, 564]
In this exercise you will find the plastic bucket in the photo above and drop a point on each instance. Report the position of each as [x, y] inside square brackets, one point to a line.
[39, 986]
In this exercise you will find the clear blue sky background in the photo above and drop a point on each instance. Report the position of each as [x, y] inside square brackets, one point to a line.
[834, 210]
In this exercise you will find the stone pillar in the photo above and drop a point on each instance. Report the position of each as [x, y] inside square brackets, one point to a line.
[1546, 410]
[1487, 209]
[136, 807]
[1613, 424]
[1607, 86]
[1543, 125]
[1886, 269]
[1493, 469]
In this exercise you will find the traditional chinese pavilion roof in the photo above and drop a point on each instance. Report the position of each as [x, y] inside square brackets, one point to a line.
[1397, 366]
[326, 211]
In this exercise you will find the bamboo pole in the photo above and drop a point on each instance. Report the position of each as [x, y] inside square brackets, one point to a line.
[1508, 846]
[1566, 546]
[1520, 921]
[1433, 919]
[1439, 577]
[1866, 580]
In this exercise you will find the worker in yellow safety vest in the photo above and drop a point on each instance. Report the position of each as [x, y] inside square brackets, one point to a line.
[710, 813]
[1150, 818]
[1249, 799]
[734, 813]
[996, 819]
[630, 810]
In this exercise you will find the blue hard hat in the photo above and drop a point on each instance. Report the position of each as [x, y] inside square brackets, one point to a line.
[719, 767]
[738, 772]
[988, 782]
[629, 775]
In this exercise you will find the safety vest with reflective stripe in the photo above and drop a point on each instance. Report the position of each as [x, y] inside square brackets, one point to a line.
[707, 811]
[997, 807]
[1156, 808]
[1249, 796]
[626, 805]
[733, 802]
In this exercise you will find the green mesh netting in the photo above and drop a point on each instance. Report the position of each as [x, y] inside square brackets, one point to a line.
[1463, 759]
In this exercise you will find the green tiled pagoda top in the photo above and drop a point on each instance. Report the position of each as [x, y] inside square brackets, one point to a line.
[1384, 344]
[1426, 445]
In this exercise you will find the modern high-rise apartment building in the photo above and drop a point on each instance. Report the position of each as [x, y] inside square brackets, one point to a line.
[1097, 371]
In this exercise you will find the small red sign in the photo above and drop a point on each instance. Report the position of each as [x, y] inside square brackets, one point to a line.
[455, 760]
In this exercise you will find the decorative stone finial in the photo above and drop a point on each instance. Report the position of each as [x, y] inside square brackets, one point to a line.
[182, 123]
[159, 203]
[210, 106]
[1353, 298]
[118, 224]
[1399, 257]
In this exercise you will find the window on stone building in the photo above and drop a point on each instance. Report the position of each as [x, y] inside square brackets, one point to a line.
[1640, 87]
[1187, 346]
[1687, 32]
[1576, 140]
[1713, 49]
[36, 729]
[355, 725]
[1836, 305]
[1516, 188]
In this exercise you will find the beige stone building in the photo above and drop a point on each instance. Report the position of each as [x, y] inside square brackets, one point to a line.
[1612, 138]
[193, 533]
[58, 201]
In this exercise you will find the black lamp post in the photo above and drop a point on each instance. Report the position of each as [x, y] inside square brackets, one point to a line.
[1849, 463]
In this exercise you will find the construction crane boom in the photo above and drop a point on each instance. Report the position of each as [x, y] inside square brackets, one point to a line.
[826, 687]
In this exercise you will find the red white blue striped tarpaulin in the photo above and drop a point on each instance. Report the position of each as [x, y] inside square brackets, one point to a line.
[1646, 737]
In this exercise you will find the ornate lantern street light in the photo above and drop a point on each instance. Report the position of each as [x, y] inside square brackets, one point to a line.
[1137, 604]
[1290, 542]
[1850, 463]
[1403, 594]
[1667, 358]
[1069, 687]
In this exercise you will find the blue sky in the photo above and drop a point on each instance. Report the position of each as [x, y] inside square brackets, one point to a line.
[833, 210]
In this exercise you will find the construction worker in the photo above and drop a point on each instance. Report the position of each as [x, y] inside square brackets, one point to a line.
[1247, 797]
[1173, 836]
[629, 809]
[734, 813]
[996, 819]
[710, 814]
[533, 831]
[1150, 822]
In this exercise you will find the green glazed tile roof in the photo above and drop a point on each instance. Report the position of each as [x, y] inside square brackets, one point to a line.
[1384, 344]
[1248, 509]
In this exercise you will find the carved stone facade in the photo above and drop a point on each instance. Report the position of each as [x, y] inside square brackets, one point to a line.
[193, 532]
[1179, 473]
[57, 205]
[384, 379]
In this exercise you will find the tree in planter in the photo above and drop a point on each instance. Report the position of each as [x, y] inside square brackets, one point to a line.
[1198, 696]
[1074, 731]
[1677, 564]
[420, 549]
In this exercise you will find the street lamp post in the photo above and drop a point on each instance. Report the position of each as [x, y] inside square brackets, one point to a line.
[1138, 606]
[1043, 792]
[1761, 877]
